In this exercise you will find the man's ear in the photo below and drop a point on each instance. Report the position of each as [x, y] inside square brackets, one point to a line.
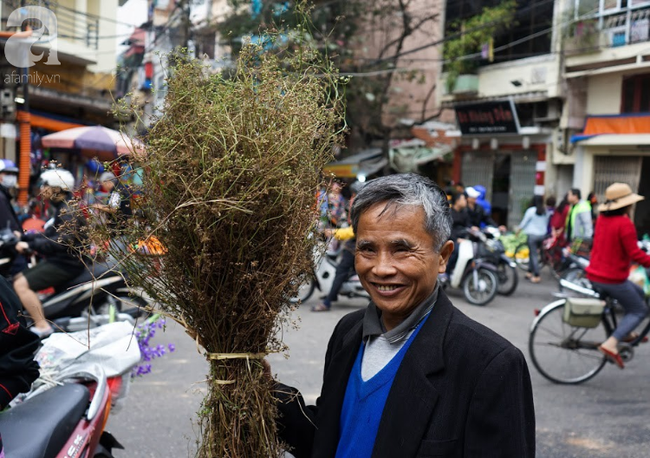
[445, 252]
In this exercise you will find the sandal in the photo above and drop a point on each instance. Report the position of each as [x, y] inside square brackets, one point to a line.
[535, 279]
[613, 357]
[529, 275]
[320, 308]
[632, 336]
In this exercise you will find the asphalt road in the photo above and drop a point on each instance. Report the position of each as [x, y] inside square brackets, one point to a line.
[605, 417]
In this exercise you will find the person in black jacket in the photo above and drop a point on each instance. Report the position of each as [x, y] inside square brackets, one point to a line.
[8, 217]
[17, 348]
[411, 375]
[59, 244]
[460, 223]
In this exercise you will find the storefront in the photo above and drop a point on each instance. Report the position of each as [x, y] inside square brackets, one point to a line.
[616, 149]
[495, 152]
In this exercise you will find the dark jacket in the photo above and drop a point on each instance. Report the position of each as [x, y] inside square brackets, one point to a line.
[479, 217]
[8, 217]
[61, 240]
[17, 348]
[461, 391]
[460, 223]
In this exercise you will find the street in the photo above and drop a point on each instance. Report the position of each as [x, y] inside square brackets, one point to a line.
[604, 417]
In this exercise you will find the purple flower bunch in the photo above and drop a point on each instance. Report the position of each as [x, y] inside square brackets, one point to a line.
[145, 332]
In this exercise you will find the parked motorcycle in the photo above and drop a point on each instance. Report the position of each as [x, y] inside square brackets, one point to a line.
[493, 250]
[83, 375]
[97, 296]
[476, 276]
[323, 277]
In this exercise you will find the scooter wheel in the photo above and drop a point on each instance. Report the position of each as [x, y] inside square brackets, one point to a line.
[481, 288]
[304, 292]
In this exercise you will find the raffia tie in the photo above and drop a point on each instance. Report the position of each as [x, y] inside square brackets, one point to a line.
[223, 356]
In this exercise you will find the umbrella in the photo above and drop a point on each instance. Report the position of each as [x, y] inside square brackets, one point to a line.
[99, 141]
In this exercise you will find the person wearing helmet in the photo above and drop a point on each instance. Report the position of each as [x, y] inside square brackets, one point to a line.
[8, 217]
[58, 245]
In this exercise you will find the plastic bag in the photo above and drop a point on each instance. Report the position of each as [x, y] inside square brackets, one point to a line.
[639, 275]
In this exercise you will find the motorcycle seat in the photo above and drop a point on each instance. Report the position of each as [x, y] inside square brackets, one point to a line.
[95, 271]
[41, 426]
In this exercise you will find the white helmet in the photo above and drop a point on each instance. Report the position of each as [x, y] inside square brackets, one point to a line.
[58, 178]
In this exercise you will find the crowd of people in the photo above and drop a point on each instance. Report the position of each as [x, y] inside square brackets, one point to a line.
[387, 364]
[58, 242]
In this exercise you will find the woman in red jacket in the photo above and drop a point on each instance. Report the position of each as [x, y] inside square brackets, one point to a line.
[614, 247]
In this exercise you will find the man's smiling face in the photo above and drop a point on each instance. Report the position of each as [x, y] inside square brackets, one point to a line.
[396, 260]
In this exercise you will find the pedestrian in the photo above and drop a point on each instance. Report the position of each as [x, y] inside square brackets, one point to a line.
[615, 247]
[411, 375]
[461, 223]
[118, 212]
[482, 199]
[579, 226]
[118, 206]
[478, 216]
[535, 226]
[557, 221]
[8, 217]
[345, 267]
[592, 198]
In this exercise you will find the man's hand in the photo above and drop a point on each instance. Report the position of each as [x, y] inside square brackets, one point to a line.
[21, 247]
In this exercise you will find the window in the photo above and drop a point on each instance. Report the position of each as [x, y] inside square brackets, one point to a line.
[534, 19]
[636, 94]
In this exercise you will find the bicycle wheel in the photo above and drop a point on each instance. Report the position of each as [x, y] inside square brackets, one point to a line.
[305, 290]
[482, 289]
[508, 279]
[522, 256]
[563, 353]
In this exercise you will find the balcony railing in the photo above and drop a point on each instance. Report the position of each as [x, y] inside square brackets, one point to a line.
[69, 24]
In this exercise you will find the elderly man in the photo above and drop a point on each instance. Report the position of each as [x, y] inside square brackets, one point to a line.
[411, 375]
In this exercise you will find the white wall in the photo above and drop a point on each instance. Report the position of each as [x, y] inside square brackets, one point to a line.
[604, 94]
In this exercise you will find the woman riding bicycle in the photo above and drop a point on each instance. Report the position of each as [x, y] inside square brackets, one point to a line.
[614, 247]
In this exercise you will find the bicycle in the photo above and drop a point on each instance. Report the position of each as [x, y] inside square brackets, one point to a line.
[563, 345]
[551, 254]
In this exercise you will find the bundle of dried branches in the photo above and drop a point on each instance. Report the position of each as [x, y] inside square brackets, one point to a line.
[229, 186]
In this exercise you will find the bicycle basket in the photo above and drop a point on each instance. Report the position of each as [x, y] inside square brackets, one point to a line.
[583, 312]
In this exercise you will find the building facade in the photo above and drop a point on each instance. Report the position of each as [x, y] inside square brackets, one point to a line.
[607, 74]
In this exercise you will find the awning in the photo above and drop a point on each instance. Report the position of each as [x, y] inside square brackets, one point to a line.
[406, 159]
[50, 124]
[617, 140]
[365, 163]
[626, 124]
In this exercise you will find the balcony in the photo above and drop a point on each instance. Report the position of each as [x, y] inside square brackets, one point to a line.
[76, 34]
[528, 80]
[612, 38]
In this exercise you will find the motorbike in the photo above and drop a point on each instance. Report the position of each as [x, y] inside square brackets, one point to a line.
[323, 276]
[474, 275]
[493, 250]
[66, 412]
[97, 296]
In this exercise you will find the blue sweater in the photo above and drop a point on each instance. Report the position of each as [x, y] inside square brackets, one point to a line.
[364, 404]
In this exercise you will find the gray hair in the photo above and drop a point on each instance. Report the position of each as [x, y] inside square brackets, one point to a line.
[408, 189]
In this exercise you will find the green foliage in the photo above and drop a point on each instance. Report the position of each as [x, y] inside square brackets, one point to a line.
[474, 33]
